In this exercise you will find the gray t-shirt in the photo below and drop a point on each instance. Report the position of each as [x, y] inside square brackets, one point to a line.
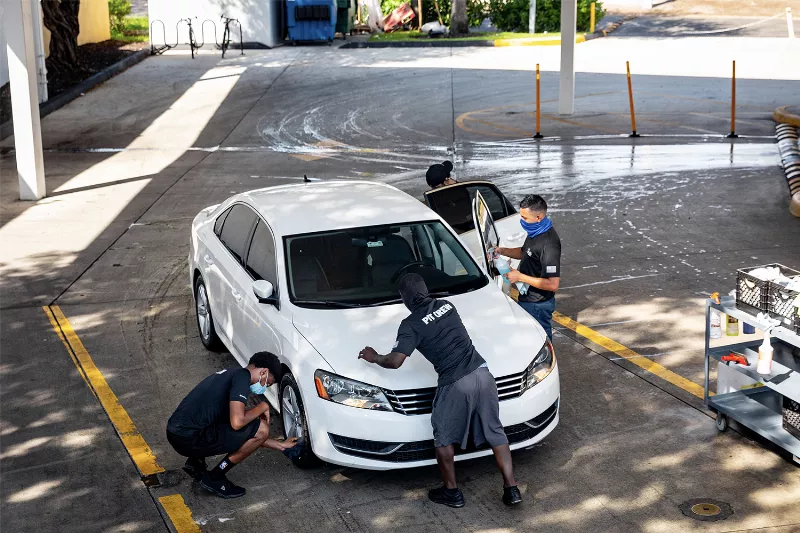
[437, 332]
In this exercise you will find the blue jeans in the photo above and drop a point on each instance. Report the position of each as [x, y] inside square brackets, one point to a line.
[543, 313]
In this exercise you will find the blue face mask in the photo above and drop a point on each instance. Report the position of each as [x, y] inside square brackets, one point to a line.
[258, 388]
[536, 228]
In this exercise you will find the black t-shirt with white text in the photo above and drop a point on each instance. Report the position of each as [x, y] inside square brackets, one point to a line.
[437, 332]
[541, 258]
[208, 403]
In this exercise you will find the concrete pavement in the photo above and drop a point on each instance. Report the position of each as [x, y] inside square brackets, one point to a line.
[649, 228]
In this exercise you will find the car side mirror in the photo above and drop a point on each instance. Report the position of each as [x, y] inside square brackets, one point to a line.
[265, 292]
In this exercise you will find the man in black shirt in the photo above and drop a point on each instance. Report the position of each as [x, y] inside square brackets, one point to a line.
[212, 420]
[540, 265]
[466, 400]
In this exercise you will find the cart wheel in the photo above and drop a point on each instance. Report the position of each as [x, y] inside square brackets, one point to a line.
[722, 422]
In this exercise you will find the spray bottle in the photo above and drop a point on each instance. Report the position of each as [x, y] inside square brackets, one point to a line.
[716, 323]
[502, 266]
[765, 351]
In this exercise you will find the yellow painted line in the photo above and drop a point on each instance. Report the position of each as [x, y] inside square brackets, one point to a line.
[179, 514]
[629, 355]
[133, 441]
[581, 124]
[535, 41]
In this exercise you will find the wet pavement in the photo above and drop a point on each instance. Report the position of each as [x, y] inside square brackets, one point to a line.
[649, 227]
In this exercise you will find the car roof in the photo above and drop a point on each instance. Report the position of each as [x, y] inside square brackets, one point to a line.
[331, 205]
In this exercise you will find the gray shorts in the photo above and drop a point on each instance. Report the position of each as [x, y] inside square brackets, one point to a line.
[470, 405]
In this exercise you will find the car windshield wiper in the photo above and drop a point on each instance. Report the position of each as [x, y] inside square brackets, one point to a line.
[327, 303]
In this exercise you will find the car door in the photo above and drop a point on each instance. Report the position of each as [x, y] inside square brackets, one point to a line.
[486, 238]
[258, 330]
[224, 275]
[454, 204]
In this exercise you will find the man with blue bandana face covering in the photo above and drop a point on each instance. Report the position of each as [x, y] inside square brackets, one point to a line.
[540, 265]
[466, 402]
[212, 420]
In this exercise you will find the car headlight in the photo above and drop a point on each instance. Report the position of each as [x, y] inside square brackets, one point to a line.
[541, 366]
[350, 392]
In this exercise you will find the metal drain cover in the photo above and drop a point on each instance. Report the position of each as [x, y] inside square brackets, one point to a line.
[706, 510]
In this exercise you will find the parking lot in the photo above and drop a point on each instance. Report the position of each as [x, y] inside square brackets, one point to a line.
[649, 228]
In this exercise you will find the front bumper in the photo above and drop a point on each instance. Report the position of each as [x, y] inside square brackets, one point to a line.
[377, 440]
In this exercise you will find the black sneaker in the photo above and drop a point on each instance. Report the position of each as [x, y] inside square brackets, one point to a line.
[449, 497]
[511, 495]
[195, 468]
[221, 487]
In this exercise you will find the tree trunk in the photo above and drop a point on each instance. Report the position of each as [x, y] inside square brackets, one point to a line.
[61, 18]
[458, 18]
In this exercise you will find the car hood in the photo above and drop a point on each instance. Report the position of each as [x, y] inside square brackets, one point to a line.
[503, 333]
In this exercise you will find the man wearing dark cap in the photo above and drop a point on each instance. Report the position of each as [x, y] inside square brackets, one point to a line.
[438, 175]
[466, 400]
[212, 420]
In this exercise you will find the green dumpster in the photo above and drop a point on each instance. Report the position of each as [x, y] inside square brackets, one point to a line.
[345, 13]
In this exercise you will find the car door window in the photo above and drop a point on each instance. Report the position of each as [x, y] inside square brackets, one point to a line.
[454, 204]
[261, 257]
[236, 229]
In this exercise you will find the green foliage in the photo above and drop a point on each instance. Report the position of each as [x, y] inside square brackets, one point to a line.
[117, 11]
[477, 10]
[134, 29]
[512, 15]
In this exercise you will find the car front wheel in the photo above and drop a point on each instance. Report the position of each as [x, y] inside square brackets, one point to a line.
[294, 422]
[205, 322]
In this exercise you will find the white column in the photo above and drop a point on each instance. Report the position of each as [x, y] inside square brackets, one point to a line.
[566, 87]
[18, 29]
[532, 17]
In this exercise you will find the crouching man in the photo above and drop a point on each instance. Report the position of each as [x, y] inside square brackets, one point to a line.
[466, 398]
[212, 420]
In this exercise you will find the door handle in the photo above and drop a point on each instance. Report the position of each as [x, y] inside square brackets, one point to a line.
[236, 294]
[208, 260]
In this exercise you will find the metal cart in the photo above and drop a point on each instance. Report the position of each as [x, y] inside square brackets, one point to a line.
[757, 404]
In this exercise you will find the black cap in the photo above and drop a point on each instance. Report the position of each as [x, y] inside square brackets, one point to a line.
[438, 173]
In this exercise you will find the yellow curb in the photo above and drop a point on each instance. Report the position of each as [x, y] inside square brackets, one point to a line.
[535, 41]
[783, 116]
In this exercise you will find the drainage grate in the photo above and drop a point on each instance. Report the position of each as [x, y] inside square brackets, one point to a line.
[706, 510]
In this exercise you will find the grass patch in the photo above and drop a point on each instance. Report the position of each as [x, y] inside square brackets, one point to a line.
[401, 36]
[135, 31]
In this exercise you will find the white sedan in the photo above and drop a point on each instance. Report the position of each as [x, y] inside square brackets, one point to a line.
[309, 273]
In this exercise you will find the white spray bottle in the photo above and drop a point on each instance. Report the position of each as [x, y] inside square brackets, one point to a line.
[765, 351]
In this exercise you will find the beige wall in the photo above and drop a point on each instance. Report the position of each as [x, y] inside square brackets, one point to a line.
[94, 24]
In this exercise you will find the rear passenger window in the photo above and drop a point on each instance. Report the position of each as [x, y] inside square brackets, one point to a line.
[236, 229]
[261, 258]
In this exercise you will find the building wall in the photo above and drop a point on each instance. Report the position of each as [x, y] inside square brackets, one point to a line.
[261, 20]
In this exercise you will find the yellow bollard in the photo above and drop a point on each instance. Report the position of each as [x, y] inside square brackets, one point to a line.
[591, 17]
[732, 134]
[538, 108]
[630, 99]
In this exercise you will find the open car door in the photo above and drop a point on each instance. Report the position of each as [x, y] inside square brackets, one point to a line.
[485, 234]
[454, 203]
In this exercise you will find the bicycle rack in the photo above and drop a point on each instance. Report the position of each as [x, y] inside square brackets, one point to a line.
[203, 31]
[160, 49]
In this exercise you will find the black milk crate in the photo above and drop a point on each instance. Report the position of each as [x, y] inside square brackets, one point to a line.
[752, 294]
[791, 417]
[781, 303]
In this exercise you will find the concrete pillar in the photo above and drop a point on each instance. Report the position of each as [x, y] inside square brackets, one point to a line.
[566, 86]
[18, 29]
[532, 17]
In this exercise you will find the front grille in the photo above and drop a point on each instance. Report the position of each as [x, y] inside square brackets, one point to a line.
[420, 401]
[423, 450]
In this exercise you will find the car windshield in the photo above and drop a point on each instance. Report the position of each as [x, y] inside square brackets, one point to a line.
[361, 266]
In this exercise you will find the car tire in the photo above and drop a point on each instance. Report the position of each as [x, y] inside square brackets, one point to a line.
[293, 418]
[204, 319]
